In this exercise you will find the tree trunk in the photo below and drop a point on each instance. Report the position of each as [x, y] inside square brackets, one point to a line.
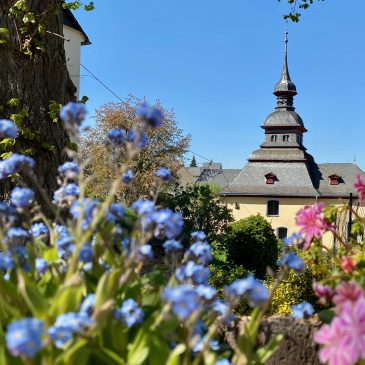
[36, 81]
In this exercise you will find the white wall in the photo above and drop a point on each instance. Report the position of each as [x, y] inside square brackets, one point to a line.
[73, 40]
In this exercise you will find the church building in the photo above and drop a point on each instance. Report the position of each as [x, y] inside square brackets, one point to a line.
[281, 176]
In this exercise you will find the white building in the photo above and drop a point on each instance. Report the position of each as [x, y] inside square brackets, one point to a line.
[75, 38]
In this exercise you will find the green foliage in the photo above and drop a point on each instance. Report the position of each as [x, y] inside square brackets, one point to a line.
[75, 5]
[251, 242]
[296, 6]
[202, 209]
[54, 110]
[298, 288]
[193, 162]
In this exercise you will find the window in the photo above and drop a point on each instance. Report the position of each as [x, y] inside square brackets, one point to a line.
[286, 138]
[270, 178]
[282, 233]
[334, 179]
[274, 138]
[272, 208]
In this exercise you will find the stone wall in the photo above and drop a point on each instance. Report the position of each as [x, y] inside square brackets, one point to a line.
[297, 348]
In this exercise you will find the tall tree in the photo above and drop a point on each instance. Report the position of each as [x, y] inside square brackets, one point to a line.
[193, 162]
[33, 76]
[166, 148]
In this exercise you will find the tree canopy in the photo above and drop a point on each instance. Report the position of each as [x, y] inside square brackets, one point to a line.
[166, 147]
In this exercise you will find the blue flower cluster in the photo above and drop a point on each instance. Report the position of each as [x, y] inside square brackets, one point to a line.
[24, 337]
[39, 228]
[164, 174]
[129, 313]
[152, 115]
[166, 223]
[64, 243]
[292, 261]
[171, 246]
[198, 274]
[69, 169]
[66, 194]
[22, 197]
[15, 164]
[6, 261]
[88, 207]
[41, 265]
[8, 129]
[252, 289]
[68, 324]
[117, 136]
[72, 114]
[302, 310]
[128, 177]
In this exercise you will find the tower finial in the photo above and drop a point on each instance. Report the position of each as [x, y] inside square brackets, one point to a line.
[286, 42]
[285, 89]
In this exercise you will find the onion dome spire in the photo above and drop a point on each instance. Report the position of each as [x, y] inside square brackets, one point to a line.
[285, 89]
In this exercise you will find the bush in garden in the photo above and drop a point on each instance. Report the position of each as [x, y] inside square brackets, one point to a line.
[251, 242]
[77, 289]
[298, 288]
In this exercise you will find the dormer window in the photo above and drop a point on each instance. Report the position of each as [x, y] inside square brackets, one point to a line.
[270, 178]
[274, 138]
[286, 138]
[334, 179]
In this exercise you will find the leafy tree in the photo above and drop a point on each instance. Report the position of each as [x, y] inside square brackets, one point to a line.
[166, 147]
[202, 209]
[193, 162]
[251, 242]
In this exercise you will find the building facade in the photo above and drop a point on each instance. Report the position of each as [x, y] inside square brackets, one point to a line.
[75, 38]
[281, 176]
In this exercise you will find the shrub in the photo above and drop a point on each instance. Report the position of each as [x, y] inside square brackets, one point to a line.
[251, 242]
[298, 288]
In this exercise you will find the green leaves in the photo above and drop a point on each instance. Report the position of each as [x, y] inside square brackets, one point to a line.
[75, 5]
[4, 33]
[54, 110]
[31, 295]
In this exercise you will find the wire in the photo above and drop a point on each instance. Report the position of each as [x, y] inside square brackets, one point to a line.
[102, 83]
[120, 99]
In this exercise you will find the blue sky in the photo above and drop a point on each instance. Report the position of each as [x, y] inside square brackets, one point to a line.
[216, 62]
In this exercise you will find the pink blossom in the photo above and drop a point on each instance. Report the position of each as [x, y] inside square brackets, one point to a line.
[323, 292]
[311, 219]
[346, 292]
[344, 338]
[347, 264]
[360, 187]
[335, 344]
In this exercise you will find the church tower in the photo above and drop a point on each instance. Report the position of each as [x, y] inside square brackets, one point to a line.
[281, 166]
[284, 128]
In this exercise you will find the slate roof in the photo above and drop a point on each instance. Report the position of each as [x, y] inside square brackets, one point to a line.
[207, 174]
[295, 179]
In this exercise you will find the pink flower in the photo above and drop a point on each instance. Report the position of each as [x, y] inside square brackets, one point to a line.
[335, 344]
[311, 219]
[323, 292]
[347, 264]
[348, 291]
[344, 338]
[360, 187]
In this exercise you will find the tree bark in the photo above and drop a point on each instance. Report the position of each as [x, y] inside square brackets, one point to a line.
[36, 80]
